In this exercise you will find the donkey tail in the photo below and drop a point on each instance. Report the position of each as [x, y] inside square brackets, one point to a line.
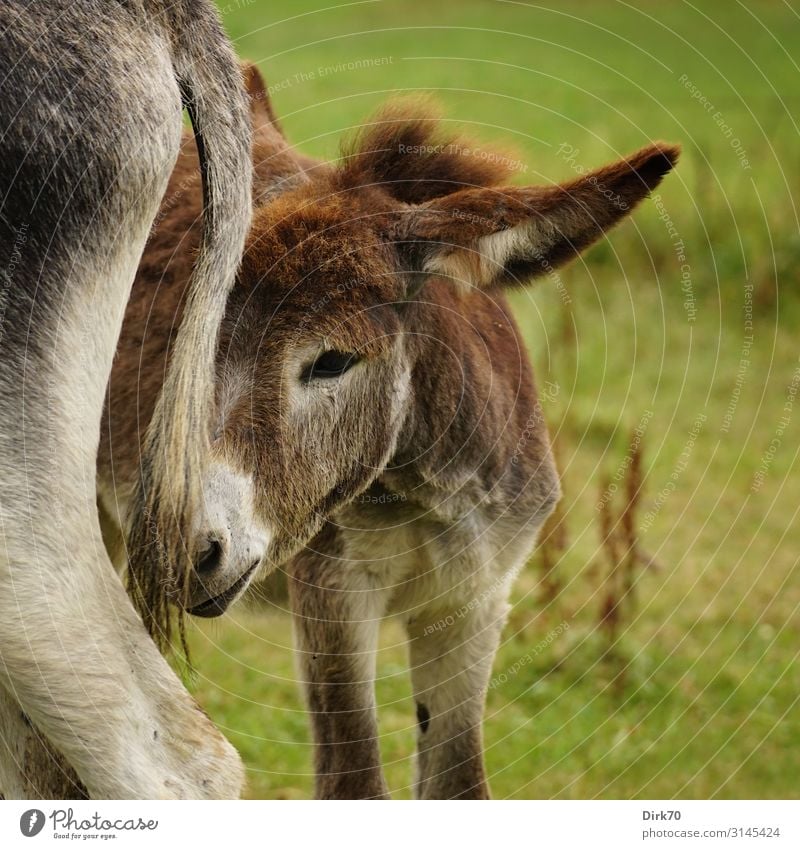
[175, 450]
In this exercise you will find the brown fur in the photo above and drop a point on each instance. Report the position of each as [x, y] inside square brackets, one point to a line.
[440, 415]
[406, 152]
[47, 773]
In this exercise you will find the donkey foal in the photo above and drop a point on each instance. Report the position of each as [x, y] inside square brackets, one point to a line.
[378, 433]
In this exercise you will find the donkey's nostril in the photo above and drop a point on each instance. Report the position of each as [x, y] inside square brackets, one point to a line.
[210, 559]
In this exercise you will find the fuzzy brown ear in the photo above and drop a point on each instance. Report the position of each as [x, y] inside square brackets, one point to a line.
[277, 166]
[260, 103]
[495, 236]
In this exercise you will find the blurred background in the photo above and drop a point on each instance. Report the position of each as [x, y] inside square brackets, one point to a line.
[652, 649]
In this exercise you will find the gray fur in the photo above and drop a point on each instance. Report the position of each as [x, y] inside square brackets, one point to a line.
[90, 127]
[411, 483]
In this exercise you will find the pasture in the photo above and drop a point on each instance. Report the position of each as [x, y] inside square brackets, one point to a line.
[667, 358]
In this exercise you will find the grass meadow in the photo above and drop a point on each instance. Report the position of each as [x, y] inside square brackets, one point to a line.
[673, 359]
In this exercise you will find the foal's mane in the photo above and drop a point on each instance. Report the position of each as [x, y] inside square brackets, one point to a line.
[406, 149]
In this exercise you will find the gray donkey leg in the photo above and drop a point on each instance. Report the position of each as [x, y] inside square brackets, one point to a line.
[451, 660]
[74, 652]
[86, 155]
[336, 616]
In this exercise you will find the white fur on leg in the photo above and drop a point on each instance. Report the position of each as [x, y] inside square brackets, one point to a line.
[73, 650]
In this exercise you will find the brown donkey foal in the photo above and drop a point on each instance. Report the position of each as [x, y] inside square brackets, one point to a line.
[378, 433]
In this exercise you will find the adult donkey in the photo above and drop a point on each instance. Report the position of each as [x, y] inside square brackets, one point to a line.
[90, 125]
[378, 432]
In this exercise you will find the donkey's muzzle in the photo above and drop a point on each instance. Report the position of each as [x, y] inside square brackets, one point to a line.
[231, 542]
[217, 605]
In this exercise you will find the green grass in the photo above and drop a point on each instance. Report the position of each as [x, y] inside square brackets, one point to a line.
[708, 704]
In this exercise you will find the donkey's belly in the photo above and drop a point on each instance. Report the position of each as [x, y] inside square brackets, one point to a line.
[422, 564]
[458, 567]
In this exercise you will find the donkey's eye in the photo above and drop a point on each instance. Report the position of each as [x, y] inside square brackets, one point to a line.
[330, 364]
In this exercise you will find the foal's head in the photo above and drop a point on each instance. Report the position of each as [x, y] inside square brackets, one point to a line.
[318, 363]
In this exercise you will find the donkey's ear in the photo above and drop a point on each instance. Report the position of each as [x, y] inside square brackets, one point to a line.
[261, 109]
[493, 236]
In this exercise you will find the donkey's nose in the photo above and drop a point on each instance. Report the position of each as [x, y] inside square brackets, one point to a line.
[210, 559]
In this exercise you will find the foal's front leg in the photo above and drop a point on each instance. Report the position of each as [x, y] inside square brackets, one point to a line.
[451, 653]
[336, 616]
